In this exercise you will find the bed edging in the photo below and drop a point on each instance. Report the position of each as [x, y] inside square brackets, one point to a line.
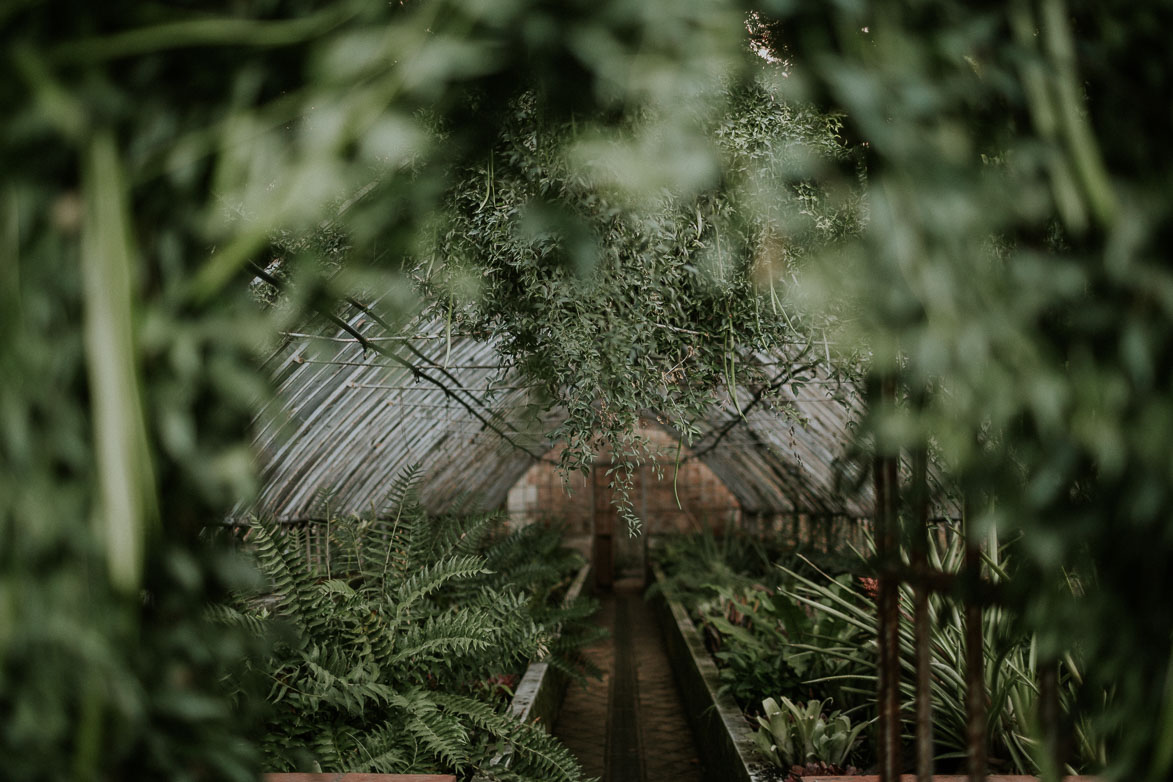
[539, 694]
[723, 736]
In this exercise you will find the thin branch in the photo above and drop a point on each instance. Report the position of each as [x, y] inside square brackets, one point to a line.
[400, 338]
[418, 373]
[418, 353]
[682, 330]
[779, 380]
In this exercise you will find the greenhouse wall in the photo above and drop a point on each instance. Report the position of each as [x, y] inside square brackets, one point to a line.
[704, 500]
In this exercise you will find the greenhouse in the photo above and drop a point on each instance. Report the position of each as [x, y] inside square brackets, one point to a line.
[478, 390]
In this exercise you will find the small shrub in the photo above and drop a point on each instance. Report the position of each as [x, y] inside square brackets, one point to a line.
[757, 635]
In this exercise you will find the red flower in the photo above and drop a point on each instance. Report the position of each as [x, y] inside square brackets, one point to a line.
[870, 586]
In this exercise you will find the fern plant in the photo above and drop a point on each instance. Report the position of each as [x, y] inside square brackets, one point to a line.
[387, 626]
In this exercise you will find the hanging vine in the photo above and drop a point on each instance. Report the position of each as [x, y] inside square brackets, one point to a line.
[615, 304]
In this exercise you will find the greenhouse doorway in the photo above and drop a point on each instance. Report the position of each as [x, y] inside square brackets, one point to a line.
[671, 493]
[616, 552]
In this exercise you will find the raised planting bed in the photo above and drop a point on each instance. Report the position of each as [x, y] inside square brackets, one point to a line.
[359, 778]
[944, 778]
[723, 735]
[539, 693]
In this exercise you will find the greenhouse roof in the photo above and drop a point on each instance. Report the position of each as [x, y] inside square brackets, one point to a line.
[349, 417]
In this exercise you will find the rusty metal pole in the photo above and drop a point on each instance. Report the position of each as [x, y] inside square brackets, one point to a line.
[1049, 717]
[975, 688]
[887, 541]
[919, 551]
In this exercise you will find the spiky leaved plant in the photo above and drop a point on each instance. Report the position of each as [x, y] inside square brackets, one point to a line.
[793, 734]
[1011, 672]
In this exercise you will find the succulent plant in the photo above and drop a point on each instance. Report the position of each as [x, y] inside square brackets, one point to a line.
[795, 735]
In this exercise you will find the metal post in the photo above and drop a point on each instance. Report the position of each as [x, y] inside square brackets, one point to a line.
[603, 521]
[887, 541]
[975, 688]
[646, 535]
[1049, 717]
[919, 546]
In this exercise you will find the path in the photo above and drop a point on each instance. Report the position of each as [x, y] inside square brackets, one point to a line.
[630, 726]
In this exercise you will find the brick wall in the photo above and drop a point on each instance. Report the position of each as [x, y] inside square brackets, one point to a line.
[541, 493]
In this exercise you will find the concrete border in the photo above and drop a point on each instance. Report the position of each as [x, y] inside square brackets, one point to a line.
[723, 735]
[539, 694]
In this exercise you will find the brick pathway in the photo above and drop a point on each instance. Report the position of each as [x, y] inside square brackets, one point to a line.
[630, 726]
[582, 722]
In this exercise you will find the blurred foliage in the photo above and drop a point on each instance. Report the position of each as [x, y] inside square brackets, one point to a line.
[999, 205]
[151, 151]
[1015, 265]
[107, 667]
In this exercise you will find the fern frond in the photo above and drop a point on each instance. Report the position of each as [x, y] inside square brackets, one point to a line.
[541, 756]
[533, 752]
[254, 623]
[438, 732]
[384, 749]
[462, 534]
[432, 577]
[330, 745]
[288, 574]
[450, 634]
[320, 505]
[404, 491]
